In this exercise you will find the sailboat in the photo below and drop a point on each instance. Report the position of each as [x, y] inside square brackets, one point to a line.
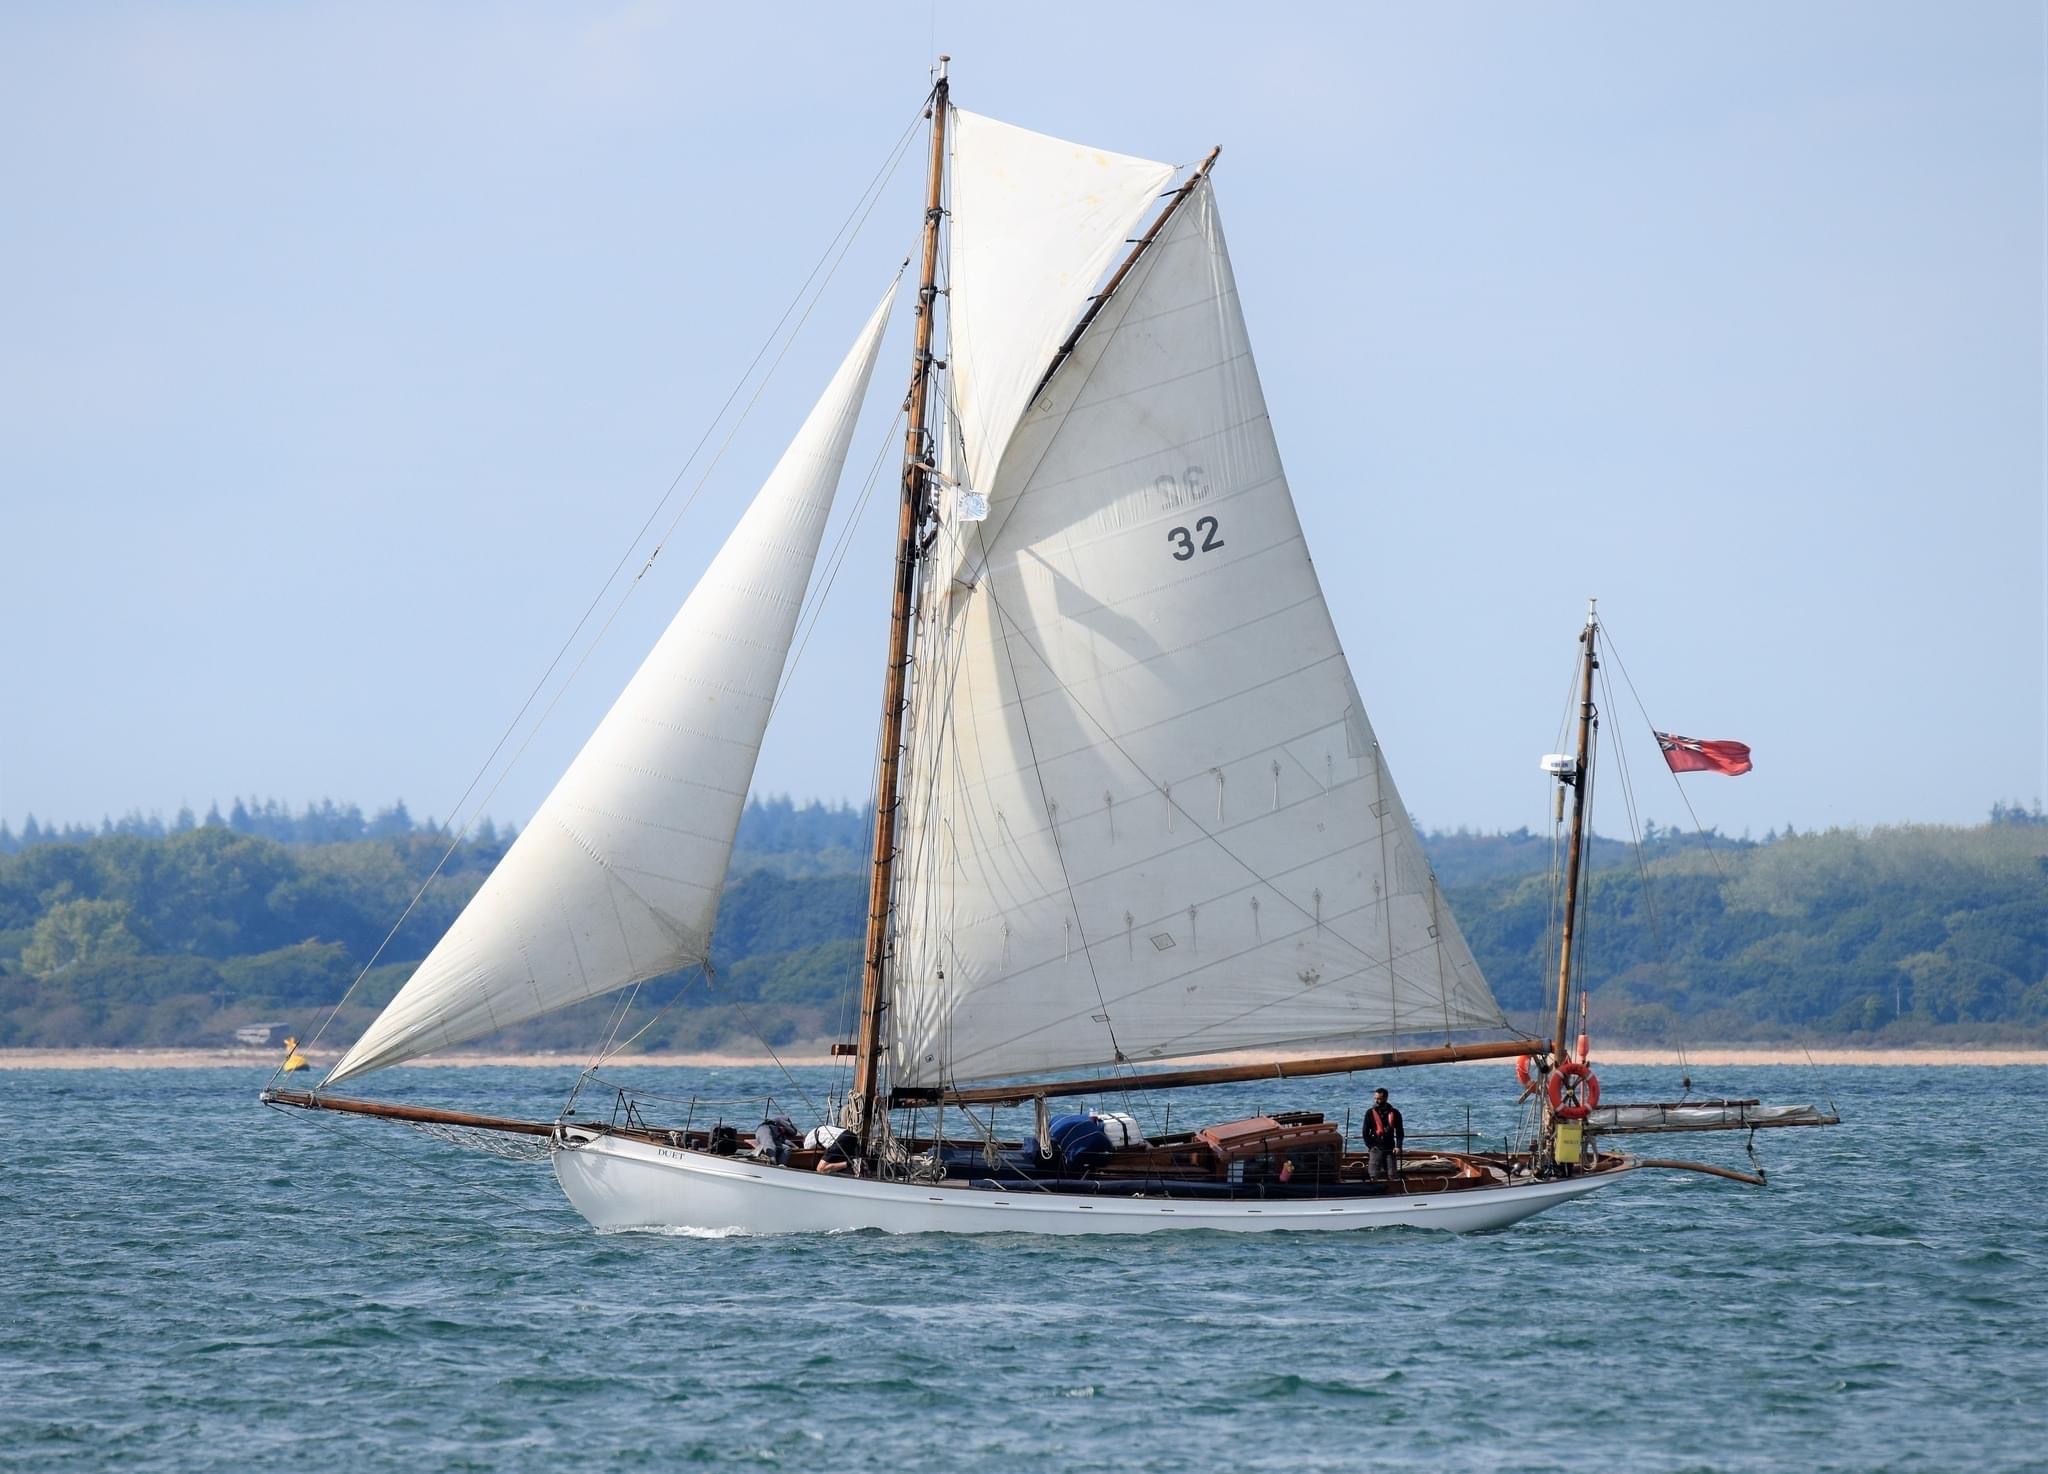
[1133, 828]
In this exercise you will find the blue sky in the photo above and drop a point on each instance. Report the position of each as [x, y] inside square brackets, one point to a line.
[345, 349]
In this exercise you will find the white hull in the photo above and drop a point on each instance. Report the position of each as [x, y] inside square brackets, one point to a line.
[620, 1183]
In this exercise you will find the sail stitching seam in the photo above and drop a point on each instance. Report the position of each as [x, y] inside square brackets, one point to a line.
[1059, 853]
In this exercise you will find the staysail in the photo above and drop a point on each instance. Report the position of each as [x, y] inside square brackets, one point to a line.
[1148, 817]
[617, 877]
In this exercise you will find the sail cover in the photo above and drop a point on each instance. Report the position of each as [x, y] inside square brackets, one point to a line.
[1147, 815]
[1035, 223]
[617, 878]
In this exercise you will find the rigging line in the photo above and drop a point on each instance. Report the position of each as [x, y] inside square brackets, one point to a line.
[1260, 879]
[1556, 884]
[1833, 1109]
[871, 194]
[1571, 689]
[984, 581]
[807, 615]
[1059, 851]
[610, 619]
[935, 712]
[754, 1028]
[1553, 917]
[608, 1053]
[1635, 827]
[1684, 1065]
[589, 1071]
[1699, 829]
[598, 639]
[308, 1119]
[833, 564]
[1443, 987]
[984, 544]
[837, 559]
[1385, 895]
[1659, 938]
[849, 996]
[618, 1022]
[1583, 936]
[919, 798]
[933, 791]
[1171, 1042]
[734, 430]
[1139, 769]
[983, 585]
[813, 596]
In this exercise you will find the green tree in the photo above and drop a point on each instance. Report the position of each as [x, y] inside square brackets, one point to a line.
[75, 932]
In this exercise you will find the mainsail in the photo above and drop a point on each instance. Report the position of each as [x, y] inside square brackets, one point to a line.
[617, 877]
[1147, 816]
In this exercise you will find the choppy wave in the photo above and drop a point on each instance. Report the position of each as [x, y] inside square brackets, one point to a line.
[194, 1284]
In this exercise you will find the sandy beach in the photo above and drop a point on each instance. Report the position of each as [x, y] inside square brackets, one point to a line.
[1706, 1055]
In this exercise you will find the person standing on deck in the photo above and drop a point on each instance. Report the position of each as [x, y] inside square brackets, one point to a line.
[1384, 1136]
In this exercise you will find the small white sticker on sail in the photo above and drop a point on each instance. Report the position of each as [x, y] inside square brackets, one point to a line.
[618, 876]
[1036, 222]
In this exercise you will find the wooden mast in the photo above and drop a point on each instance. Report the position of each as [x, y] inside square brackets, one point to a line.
[1575, 852]
[916, 481]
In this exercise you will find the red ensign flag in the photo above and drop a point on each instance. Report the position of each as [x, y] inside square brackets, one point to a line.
[1691, 755]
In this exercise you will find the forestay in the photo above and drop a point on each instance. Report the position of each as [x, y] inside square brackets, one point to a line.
[618, 876]
[1148, 817]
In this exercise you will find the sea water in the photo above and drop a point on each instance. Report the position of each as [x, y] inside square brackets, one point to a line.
[194, 1282]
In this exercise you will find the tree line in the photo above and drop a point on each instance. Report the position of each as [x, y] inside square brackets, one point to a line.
[177, 935]
[142, 932]
[325, 822]
[772, 825]
[1909, 933]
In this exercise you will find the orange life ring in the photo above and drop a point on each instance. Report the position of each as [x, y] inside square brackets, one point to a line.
[1525, 1069]
[1573, 1102]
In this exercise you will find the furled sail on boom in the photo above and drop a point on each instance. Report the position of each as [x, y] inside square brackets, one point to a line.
[618, 875]
[1149, 817]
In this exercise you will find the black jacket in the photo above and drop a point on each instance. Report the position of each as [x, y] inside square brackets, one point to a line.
[1383, 1127]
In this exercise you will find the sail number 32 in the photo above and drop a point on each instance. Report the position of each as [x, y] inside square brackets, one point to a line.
[1202, 540]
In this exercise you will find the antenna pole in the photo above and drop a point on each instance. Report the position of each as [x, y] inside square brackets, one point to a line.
[1581, 780]
[916, 487]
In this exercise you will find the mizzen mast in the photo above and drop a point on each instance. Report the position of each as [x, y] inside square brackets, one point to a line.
[917, 460]
[1574, 854]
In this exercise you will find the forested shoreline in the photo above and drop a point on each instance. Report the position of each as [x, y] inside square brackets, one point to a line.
[143, 932]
